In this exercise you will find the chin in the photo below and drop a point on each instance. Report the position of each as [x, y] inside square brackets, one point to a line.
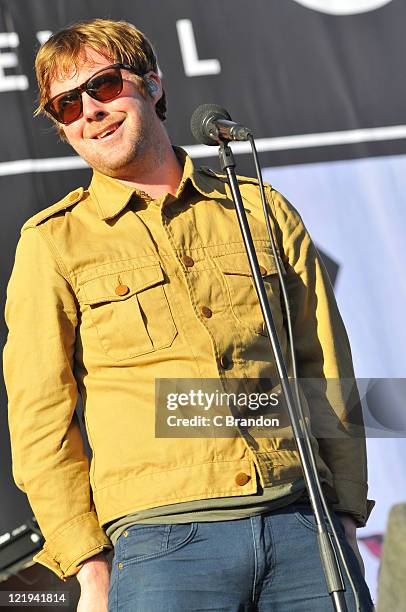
[109, 164]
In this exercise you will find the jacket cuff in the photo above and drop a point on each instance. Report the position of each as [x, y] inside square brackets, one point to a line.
[352, 499]
[64, 552]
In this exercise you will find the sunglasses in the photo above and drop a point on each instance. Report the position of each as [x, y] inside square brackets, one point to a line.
[106, 84]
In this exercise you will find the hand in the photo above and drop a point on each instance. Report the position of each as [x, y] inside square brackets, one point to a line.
[94, 580]
[350, 529]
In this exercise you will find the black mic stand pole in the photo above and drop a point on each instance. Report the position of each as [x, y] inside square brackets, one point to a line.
[327, 553]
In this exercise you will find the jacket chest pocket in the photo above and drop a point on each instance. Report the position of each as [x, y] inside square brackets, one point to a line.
[244, 302]
[130, 311]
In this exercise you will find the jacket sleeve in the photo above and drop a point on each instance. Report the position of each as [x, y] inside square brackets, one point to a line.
[324, 363]
[49, 462]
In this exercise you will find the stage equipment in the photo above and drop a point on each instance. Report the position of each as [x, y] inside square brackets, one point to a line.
[18, 547]
[210, 124]
[392, 584]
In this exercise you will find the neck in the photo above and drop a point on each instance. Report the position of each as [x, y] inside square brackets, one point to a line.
[161, 173]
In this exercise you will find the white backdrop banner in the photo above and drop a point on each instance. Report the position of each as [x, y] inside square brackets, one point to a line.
[356, 213]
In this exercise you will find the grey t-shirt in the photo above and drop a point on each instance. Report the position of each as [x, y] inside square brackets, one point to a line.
[217, 509]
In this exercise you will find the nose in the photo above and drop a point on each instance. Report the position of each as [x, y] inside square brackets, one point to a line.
[93, 110]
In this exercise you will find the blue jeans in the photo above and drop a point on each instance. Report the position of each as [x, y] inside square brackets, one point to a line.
[263, 563]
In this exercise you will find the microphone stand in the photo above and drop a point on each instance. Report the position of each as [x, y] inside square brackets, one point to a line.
[328, 557]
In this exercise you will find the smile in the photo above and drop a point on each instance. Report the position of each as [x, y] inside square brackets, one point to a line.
[109, 131]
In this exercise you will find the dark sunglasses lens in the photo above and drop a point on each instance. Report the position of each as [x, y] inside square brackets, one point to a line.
[105, 86]
[67, 108]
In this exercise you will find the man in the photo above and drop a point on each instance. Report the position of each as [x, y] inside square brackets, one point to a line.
[144, 277]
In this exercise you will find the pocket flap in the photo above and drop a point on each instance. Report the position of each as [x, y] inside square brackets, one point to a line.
[122, 284]
[237, 263]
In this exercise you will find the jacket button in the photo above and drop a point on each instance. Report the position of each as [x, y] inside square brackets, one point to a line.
[263, 270]
[225, 362]
[122, 290]
[206, 312]
[188, 261]
[242, 478]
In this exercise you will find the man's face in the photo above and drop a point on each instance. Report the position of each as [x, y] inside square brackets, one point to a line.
[113, 137]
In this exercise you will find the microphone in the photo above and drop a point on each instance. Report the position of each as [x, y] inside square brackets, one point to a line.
[211, 124]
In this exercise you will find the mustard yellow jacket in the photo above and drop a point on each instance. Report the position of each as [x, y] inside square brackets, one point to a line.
[188, 310]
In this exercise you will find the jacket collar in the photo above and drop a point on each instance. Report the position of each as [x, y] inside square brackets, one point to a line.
[111, 196]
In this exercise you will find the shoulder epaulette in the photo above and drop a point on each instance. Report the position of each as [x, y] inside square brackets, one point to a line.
[69, 200]
[223, 177]
[210, 172]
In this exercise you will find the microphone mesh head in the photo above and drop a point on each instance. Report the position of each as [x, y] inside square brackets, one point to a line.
[203, 115]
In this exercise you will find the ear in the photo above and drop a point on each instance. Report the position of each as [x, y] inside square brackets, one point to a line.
[154, 85]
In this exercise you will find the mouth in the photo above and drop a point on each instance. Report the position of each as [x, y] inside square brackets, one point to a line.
[108, 131]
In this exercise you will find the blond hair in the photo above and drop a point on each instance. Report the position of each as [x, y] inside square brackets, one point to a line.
[118, 41]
